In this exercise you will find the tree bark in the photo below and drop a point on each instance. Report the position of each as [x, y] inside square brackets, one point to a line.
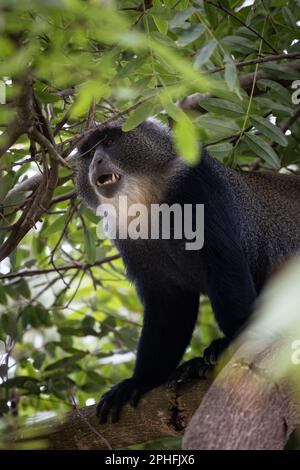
[248, 406]
[163, 412]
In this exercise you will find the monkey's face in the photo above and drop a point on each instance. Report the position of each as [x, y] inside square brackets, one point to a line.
[105, 173]
[112, 163]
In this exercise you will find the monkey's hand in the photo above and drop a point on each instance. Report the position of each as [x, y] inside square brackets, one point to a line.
[192, 369]
[199, 366]
[129, 390]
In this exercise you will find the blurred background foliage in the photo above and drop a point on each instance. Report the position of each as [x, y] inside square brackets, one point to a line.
[69, 319]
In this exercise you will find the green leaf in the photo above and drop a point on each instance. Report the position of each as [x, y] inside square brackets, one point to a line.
[204, 54]
[289, 18]
[239, 44]
[138, 116]
[161, 25]
[3, 298]
[56, 226]
[9, 325]
[273, 105]
[24, 289]
[160, 11]
[222, 107]
[186, 140]
[28, 383]
[35, 316]
[89, 90]
[180, 18]
[231, 75]
[66, 362]
[220, 150]
[217, 125]
[269, 130]
[6, 183]
[211, 14]
[90, 247]
[281, 71]
[262, 149]
[190, 35]
[278, 90]
[90, 215]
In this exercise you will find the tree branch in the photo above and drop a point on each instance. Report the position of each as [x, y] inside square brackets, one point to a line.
[289, 121]
[259, 60]
[163, 412]
[68, 267]
[246, 80]
[247, 407]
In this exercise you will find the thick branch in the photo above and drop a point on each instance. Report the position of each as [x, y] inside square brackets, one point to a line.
[161, 413]
[246, 79]
[247, 407]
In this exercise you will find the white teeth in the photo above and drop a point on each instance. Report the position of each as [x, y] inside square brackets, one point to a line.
[111, 179]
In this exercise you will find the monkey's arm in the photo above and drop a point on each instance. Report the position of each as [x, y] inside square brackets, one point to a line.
[169, 320]
[230, 287]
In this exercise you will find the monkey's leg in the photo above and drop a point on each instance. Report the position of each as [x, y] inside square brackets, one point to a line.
[169, 320]
[232, 294]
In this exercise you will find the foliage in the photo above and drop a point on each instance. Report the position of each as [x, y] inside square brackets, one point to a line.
[69, 319]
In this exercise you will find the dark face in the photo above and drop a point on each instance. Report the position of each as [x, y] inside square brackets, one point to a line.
[112, 162]
[105, 174]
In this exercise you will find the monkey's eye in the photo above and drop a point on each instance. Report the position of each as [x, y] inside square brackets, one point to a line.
[108, 142]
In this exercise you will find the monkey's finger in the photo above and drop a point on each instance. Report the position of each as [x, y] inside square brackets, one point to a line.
[103, 410]
[135, 397]
[172, 382]
[179, 376]
[115, 412]
[119, 399]
[205, 371]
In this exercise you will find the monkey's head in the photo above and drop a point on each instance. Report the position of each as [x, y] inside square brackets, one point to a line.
[137, 164]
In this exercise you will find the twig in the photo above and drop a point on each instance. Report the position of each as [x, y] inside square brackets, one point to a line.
[38, 272]
[42, 140]
[289, 121]
[233, 15]
[268, 58]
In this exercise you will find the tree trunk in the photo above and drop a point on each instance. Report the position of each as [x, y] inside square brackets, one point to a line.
[248, 406]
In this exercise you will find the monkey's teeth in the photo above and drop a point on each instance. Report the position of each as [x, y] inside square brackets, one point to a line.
[110, 179]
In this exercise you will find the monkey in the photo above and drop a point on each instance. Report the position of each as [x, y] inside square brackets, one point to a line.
[252, 224]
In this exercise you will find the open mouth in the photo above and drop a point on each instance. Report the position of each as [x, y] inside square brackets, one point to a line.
[108, 179]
